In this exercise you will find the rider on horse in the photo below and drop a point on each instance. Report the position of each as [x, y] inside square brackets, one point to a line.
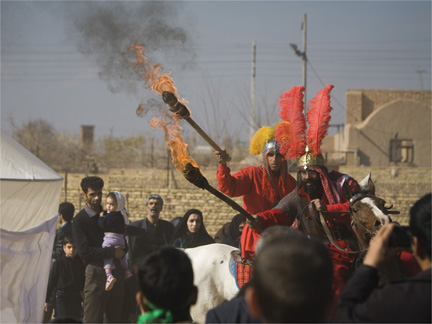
[317, 189]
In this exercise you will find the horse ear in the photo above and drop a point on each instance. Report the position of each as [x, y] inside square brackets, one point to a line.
[367, 184]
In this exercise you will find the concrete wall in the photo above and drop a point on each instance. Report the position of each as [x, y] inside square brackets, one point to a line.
[398, 186]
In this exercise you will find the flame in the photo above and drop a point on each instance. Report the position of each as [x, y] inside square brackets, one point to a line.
[159, 83]
[174, 140]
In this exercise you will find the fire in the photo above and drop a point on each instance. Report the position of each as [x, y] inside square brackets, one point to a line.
[174, 140]
[159, 83]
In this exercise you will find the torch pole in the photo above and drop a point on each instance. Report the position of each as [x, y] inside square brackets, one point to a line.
[194, 176]
[203, 134]
[233, 205]
[178, 108]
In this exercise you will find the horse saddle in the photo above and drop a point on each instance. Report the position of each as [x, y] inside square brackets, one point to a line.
[236, 256]
[240, 269]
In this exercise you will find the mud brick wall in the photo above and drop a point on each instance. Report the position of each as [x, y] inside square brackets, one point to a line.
[363, 102]
[398, 186]
[137, 185]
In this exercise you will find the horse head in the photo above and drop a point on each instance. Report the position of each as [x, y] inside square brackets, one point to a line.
[368, 212]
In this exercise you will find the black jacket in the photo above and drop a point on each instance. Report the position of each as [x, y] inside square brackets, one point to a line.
[66, 274]
[232, 311]
[61, 233]
[88, 238]
[139, 242]
[407, 301]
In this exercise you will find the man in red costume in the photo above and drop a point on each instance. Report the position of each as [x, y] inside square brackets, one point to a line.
[260, 187]
[317, 189]
[326, 191]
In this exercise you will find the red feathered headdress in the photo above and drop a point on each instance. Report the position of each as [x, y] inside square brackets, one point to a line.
[292, 135]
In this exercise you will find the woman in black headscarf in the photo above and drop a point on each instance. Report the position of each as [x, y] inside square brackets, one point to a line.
[191, 231]
[235, 231]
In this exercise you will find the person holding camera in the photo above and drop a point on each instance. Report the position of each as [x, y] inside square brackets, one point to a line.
[405, 301]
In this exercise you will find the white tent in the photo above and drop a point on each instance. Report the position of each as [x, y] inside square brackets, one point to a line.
[30, 196]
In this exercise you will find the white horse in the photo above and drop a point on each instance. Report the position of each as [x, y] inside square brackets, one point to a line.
[212, 277]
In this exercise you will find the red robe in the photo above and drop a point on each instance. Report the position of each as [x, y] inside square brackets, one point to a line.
[252, 183]
[341, 261]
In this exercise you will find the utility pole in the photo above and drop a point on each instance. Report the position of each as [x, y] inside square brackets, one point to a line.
[252, 127]
[421, 79]
[303, 56]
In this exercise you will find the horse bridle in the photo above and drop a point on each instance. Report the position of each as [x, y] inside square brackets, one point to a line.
[360, 196]
[352, 201]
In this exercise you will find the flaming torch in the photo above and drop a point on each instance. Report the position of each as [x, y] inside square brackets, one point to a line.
[186, 164]
[164, 85]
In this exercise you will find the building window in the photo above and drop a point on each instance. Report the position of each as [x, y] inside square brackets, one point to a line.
[401, 150]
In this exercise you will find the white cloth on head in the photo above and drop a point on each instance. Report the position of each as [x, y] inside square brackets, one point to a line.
[121, 206]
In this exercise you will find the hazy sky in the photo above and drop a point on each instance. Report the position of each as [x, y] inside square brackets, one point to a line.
[63, 62]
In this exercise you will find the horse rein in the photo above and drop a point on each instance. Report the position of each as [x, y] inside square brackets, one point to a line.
[353, 200]
[330, 236]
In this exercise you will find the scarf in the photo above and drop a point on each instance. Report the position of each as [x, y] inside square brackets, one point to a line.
[121, 206]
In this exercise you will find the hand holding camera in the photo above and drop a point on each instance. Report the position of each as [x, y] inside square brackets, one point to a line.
[400, 237]
[388, 238]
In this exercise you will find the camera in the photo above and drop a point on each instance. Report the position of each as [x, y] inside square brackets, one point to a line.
[400, 237]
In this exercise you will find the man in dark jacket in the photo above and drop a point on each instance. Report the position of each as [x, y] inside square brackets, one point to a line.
[144, 236]
[149, 234]
[88, 236]
[407, 301]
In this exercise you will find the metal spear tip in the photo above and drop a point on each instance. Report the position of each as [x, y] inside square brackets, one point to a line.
[169, 98]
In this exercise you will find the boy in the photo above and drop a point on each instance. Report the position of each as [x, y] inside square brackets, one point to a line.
[66, 281]
[166, 289]
[66, 212]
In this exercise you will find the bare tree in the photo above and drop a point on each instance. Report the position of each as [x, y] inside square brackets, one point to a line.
[61, 152]
[266, 113]
[218, 119]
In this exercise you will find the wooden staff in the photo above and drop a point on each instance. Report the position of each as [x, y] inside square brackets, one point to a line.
[178, 108]
[194, 176]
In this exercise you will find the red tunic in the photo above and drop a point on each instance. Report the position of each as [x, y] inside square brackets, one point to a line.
[341, 261]
[248, 182]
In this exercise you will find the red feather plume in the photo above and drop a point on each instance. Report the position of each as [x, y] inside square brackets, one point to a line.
[292, 135]
[318, 118]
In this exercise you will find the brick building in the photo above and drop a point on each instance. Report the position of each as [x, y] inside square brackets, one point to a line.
[383, 128]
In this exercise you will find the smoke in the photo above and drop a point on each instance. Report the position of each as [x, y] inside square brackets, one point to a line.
[105, 30]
